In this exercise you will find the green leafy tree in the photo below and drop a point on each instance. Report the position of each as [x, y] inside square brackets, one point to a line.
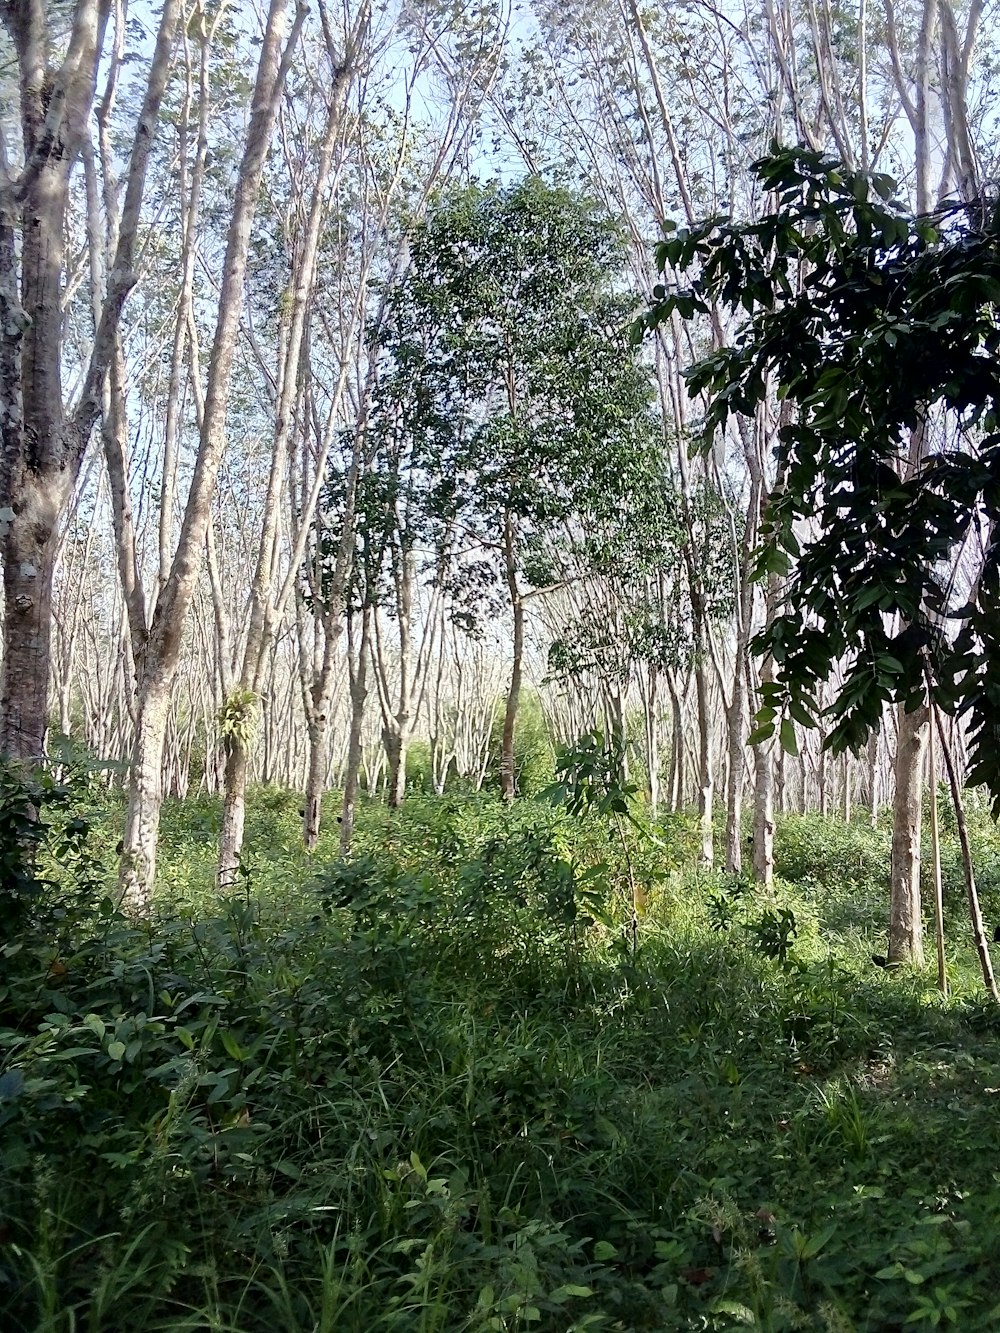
[873, 325]
[878, 329]
[509, 395]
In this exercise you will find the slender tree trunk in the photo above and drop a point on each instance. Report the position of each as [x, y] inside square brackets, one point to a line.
[676, 748]
[41, 449]
[267, 602]
[764, 764]
[932, 783]
[312, 817]
[396, 744]
[359, 695]
[706, 781]
[507, 774]
[736, 720]
[29, 557]
[822, 783]
[233, 810]
[145, 797]
[906, 935]
[763, 813]
[780, 781]
[872, 755]
[652, 727]
[164, 640]
[736, 777]
[396, 723]
[905, 924]
[978, 933]
[38, 460]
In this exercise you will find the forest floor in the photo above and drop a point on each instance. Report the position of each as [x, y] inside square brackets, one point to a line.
[448, 1086]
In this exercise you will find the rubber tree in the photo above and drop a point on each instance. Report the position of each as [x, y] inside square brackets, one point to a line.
[161, 645]
[43, 436]
[340, 65]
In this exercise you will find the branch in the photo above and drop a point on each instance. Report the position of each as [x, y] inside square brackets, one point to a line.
[122, 278]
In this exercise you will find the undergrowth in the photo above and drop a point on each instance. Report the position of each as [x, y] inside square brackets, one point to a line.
[446, 1086]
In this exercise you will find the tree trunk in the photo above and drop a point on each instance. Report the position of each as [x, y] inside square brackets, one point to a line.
[359, 694]
[763, 813]
[312, 818]
[650, 703]
[932, 791]
[978, 932]
[233, 811]
[396, 744]
[906, 938]
[780, 781]
[676, 796]
[706, 782]
[29, 557]
[166, 627]
[507, 776]
[764, 766]
[41, 450]
[822, 774]
[736, 778]
[145, 797]
[872, 757]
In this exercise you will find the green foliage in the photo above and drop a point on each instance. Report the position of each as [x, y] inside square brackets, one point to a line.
[874, 327]
[640, 558]
[239, 715]
[591, 777]
[419, 772]
[423, 1093]
[46, 829]
[533, 753]
[509, 409]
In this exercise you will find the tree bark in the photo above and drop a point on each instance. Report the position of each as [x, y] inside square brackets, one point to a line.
[395, 750]
[651, 720]
[906, 935]
[359, 695]
[508, 782]
[763, 813]
[312, 815]
[677, 750]
[29, 555]
[978, 932]
[41, 448]
[932, 784]
[706, 781]
[872, 758]
[145, 798]
[234, 806]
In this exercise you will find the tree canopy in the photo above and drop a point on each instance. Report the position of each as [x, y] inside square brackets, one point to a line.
[508, 386]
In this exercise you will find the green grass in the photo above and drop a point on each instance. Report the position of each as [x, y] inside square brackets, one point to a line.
[423, 1093]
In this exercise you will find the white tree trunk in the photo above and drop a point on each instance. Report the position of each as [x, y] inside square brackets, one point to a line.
[163, 645]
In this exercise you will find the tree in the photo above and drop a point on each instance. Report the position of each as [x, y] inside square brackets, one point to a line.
[43, 438]
[879, 329]
[509, 389]
[271, 588]
[158, 637]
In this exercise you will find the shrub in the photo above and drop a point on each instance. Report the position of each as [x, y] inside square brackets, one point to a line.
[534, 755]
